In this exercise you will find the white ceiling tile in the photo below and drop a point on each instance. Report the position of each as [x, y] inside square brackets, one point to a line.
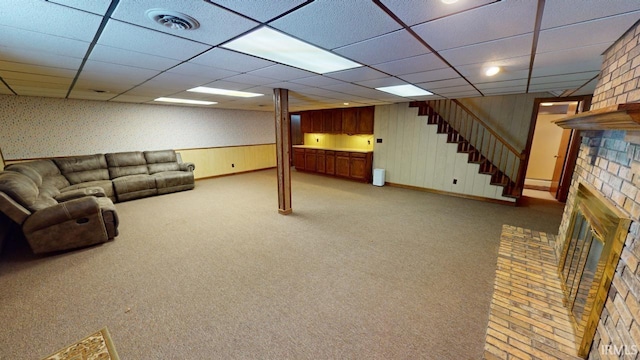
[281, 72]
[386, 81]
[397, 45]
[411, 65]
[567, 61]
[89, 95]
[514, 68]
[248, 79]
[43, 43]
[178, 81]
[39, 91]
[460, 95]
[565, 12]
[259, 10]
[413, 12]
[505, 90]
[59, 20]
[357, 74]
[36, 69]
[149, 89]
[432, 75]
[231, 60]
[23, 83]
[206, 73]
[450, 89]
[229, 85]
[603, 32]
[291, 86]
[98, 71]
[9, 76]
[582, 76]
[516, 83]
[32, 57]
[112, 87]
[113, 55]
[556, 86]
[317, 80]
[129, 37]
[490, 51]
[480, 25]
[95, 6]
[332, 24]
[132, 98]
[433, 85]
[216, 24]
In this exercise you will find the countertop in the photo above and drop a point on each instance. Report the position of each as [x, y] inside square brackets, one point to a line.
[331, 149]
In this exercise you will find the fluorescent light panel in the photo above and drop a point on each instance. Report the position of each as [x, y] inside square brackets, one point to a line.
[405, 90]
[185, 101]
[215, 91]
[273, 45]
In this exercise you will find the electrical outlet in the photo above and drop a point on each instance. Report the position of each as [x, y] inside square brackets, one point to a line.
[368, 142]
[455, 181]
[233, 165]
[317, 140]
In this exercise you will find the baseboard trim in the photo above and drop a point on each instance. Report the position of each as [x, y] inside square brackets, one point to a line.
[448, 193]
[234, 173]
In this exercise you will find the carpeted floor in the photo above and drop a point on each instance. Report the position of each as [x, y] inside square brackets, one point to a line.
[356, 272]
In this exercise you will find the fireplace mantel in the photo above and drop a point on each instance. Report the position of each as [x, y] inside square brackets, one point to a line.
[616, 117]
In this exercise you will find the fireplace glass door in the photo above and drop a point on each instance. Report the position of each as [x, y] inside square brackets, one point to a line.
[592, 248]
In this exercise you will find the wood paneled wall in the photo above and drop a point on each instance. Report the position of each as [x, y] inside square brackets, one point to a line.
[218, 161]
[414, 154]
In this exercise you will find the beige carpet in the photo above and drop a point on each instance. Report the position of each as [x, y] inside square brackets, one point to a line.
[356, 272]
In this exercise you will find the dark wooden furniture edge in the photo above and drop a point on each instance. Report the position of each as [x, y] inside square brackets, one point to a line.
[615, 117]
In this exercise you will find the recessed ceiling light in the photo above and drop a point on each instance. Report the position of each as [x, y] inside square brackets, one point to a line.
[273, 45]
[185, 101]
[448, 2]
[405, 90]
[208, 90]
[345, 103]
[492, 70]
[546, 104]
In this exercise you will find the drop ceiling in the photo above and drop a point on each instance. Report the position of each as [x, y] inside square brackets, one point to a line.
[109, 50]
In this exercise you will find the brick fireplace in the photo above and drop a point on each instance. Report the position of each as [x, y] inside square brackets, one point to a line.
[609, 161]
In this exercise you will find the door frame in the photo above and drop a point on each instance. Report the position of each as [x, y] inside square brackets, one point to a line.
[584, 103]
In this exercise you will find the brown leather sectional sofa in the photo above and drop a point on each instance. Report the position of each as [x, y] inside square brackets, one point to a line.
[66, 203]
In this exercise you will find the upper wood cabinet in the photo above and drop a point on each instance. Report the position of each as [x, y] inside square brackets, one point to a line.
[338, 121]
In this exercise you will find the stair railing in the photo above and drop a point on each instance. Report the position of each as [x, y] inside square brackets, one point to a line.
[482, 138]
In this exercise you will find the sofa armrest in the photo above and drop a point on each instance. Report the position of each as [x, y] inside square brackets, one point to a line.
[80, 193]
[68, 225]
[12, 209]
[76, 209]
[187, 166]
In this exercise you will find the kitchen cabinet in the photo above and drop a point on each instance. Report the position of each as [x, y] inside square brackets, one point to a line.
[352, 165]
[310, 158]
[306, 122]
[320, 161]
[298, 158]
[342, 163]
[330, 162]
[338, 121]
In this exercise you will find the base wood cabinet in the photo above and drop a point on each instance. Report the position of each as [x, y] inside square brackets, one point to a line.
[347, 164]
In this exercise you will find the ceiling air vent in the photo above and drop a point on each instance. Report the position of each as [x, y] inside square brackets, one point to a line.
[172, 19]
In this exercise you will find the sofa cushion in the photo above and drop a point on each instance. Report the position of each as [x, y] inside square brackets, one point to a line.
[126, 163]
[134, 186]
[42, 202]
[106, 185]
[176, 180]
[27, 171]
[80, 169]
[161, 160]
[19, 187]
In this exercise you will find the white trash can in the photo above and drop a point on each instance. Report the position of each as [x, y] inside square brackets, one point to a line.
[378, 177]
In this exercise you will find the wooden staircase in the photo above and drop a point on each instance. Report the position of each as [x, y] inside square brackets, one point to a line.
[483, 146]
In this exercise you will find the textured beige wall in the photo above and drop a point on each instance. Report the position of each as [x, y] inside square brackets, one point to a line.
[546, 141]
[35, 127]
